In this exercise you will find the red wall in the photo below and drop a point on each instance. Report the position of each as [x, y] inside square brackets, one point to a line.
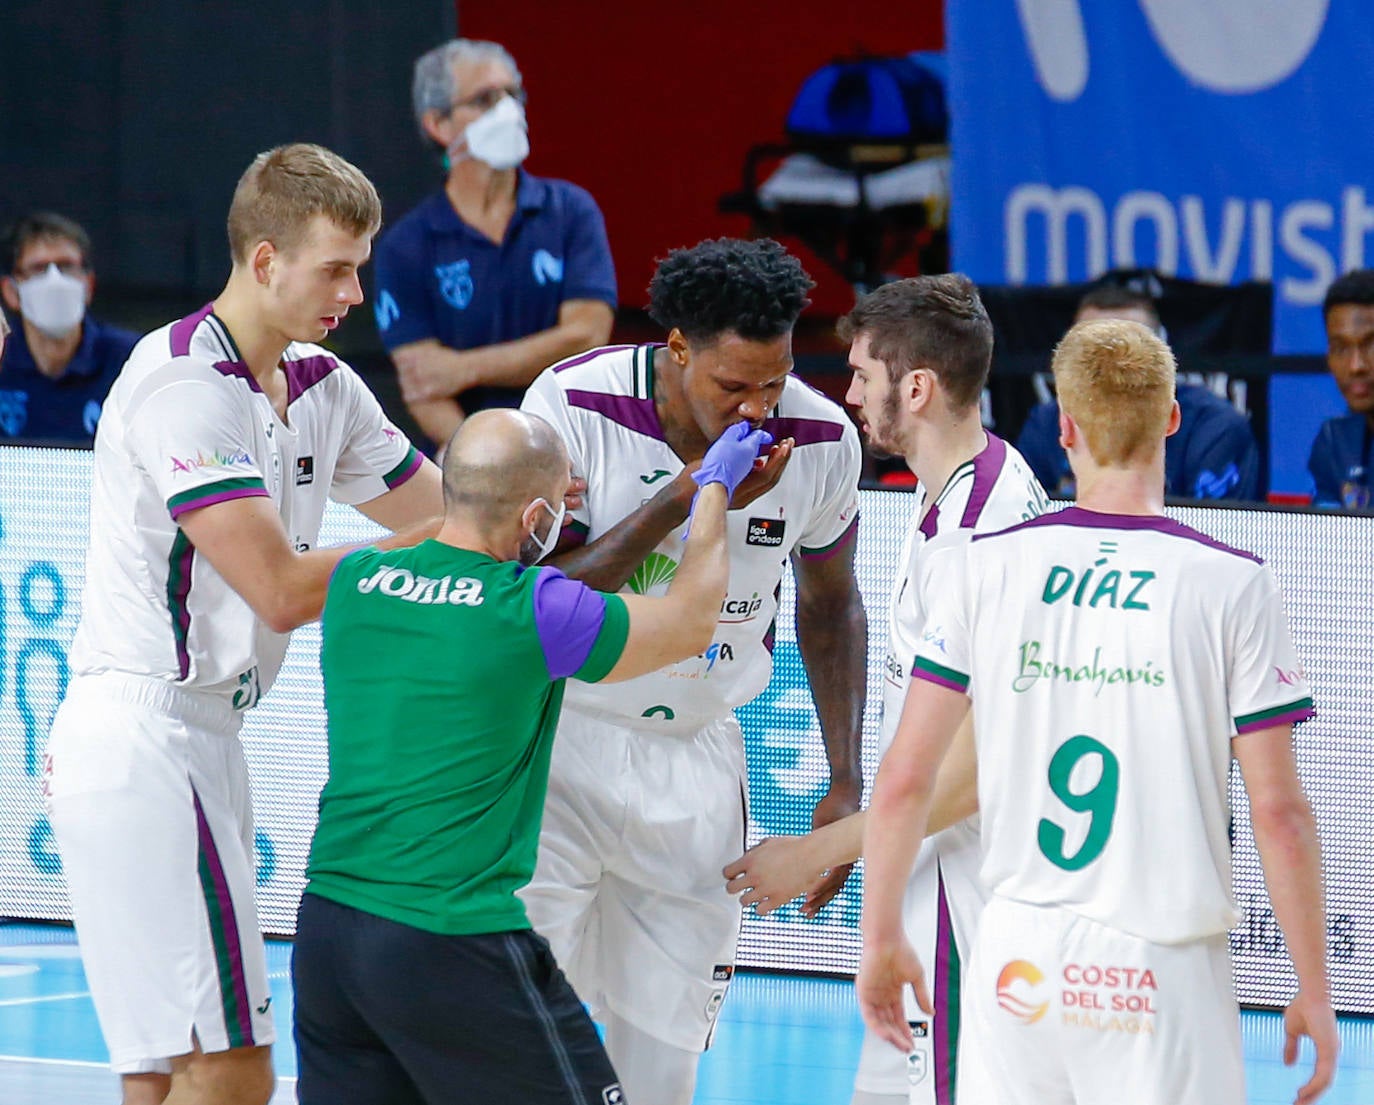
[652, 106]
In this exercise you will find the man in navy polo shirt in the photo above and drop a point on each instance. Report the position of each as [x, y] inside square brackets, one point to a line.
[499, 275]
[1342, 458]
[59, 363]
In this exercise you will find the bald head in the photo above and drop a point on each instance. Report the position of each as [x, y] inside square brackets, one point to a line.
[498, 461]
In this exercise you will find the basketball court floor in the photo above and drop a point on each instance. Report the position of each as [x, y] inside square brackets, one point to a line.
[782, 1040]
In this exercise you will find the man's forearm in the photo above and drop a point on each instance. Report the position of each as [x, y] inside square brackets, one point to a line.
[438, 418]
[510, 364]
[832, 636]
[1286, 839]
[606, 563]
[893, 829]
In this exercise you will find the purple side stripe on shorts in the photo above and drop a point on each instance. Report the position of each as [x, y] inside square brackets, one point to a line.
[946, 999]
[224, 934]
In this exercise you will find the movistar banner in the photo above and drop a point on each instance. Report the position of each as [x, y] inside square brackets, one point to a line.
[1224, 140]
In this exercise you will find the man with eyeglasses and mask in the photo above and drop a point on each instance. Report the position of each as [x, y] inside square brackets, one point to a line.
[417, 976]
[59, 363]
[499, 274]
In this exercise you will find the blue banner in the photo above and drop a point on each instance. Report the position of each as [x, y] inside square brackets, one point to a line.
[1225, 140]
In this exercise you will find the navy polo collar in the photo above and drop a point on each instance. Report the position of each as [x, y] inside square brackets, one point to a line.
[83, 362]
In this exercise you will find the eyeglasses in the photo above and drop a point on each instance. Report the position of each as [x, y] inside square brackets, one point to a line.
[488, 98]
[38, 268]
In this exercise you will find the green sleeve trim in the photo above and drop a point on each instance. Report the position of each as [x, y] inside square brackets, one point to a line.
[610, 642]
[208, 494]
[942, 676]
[1297, 711]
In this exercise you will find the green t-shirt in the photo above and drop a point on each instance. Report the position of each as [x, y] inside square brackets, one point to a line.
[443, 679]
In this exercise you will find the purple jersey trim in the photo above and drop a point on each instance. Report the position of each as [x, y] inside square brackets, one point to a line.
[568, 616]
[394, 478]
[987, 466]
[590, 355]
[1300, 712]
[304, 374]
[239, 369]
[804, 431]
[930, 524]
[634, 414]
[218, 497]
[837, 546]
[184, 328]
[918, 672]
[1079, 518]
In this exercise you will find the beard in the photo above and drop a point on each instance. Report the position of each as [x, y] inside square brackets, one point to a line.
[882, 439]
[528, 555]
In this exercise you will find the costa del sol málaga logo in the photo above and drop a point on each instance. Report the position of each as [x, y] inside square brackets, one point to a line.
[1016, 991]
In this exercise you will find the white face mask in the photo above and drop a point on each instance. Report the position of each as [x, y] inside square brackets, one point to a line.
[499, 137]
[536, 549]
[53, 301]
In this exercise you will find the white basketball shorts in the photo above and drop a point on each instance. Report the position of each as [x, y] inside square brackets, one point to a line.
[148, 797]
[1060, 1010]
[628, 887]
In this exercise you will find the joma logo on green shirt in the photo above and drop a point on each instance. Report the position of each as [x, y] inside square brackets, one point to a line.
[402, 583]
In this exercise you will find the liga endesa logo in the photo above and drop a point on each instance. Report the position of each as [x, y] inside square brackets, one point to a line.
[1016, 987]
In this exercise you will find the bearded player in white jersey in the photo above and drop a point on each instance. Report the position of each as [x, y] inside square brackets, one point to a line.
[647, 790]
[221, 441]
[1118, 661]
[920, 354]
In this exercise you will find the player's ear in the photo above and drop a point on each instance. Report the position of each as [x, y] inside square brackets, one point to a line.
[1068, 431]
[1175, 420]
[678, 348]
[260, 259]
[918, 387]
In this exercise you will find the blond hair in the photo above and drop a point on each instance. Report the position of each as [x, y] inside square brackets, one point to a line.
[286, 187]
[1116, 381]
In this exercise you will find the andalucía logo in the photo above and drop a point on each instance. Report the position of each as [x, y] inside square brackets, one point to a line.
[218, 459]
[1016, 987]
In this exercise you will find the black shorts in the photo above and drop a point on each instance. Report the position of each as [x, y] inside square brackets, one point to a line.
[388, 1014]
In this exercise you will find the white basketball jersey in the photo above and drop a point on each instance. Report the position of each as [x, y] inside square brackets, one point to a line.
[1110, 659]
[991, 492]
[186, 426]
[602, 404]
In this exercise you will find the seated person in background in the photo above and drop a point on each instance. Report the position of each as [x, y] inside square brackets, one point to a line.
[1212, 456]
[498, 275]
[1342, 456]
[59, 363]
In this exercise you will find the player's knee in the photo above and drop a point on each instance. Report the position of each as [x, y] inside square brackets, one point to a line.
[240, 1076]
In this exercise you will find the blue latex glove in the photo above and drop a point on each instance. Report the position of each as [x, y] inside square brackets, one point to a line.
[731, 456]
[729, 459]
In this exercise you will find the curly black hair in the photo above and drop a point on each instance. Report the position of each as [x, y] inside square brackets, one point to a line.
[755, 289]
[1355, 288]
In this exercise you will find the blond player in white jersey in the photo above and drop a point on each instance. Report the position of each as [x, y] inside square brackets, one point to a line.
[222, 439]
[1118, 661]
[920, 354]
[647, 791]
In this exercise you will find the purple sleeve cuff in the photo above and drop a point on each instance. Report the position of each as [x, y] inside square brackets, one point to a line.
[568, 616]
